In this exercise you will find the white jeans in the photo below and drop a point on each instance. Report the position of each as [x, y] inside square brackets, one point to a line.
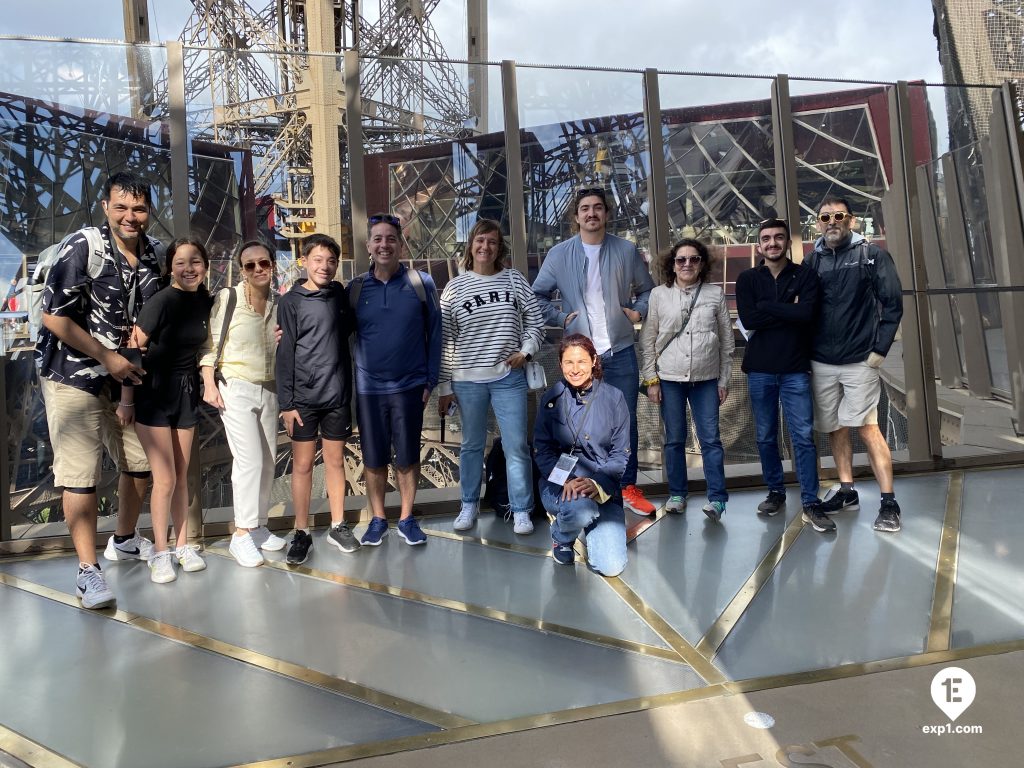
[250, 423]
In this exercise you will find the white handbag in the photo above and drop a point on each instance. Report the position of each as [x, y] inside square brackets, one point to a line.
[536, 378]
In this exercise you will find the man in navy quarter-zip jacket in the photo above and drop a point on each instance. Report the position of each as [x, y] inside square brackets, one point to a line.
[861, 308]
[777, 301]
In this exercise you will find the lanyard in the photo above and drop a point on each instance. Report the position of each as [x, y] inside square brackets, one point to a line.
[583, 419]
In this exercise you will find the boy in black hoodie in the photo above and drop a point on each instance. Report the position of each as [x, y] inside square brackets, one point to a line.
[314, 372]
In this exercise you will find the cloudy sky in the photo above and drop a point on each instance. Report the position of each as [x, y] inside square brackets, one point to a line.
[871, 39]
[884, 40]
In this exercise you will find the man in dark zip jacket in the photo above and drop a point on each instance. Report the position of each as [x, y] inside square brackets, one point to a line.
[777, 301]
[861, 307]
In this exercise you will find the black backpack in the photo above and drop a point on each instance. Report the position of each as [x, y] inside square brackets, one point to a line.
[496, 481]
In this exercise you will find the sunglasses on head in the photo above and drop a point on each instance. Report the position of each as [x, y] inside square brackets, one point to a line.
[687, 259]
[836, 216]
[385, 218]
[264, 264]
[590, 191]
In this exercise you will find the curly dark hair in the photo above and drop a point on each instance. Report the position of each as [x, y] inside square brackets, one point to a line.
[584, 343]
[668, 272]
[484, 227]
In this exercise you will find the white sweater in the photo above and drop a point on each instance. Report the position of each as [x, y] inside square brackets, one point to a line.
[480, 329]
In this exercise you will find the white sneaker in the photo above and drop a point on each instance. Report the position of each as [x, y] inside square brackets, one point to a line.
[243, 549]
[91, 587]
[523, 524]
[136, 548]
[266, 540]
[189, 559]
[161, 568]
[466, 518]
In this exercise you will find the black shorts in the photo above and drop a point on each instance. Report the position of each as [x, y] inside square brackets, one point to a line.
[174, 404]
[329, 423]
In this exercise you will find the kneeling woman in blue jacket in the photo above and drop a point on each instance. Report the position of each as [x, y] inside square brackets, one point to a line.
[582, 444]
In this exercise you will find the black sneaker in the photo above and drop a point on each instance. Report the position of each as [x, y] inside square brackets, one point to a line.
[298, 550]
[817, 519]
[773, 504]
[888, 520]
[563, 553]
[342, 537]
[836, 500]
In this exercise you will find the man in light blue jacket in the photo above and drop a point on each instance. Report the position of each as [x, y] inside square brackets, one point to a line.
[603, 284]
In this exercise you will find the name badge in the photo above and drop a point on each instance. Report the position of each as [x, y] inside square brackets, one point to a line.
[566, 464]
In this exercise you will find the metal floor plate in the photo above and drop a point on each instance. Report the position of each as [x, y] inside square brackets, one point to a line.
[103, 693]
[988, 602]
[854, 596]
[441, 659]
[481, 634]
[688, 568]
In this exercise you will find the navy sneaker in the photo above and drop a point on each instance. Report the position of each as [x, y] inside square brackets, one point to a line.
[298, 552]
[409, 530]
[836, 500]
[375, 532]
[888, 520]
[562, 553]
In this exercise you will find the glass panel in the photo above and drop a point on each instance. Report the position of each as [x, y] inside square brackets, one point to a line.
[719, 161]
[435, 157]
[580, 129]
[71, 114]
[255, 129]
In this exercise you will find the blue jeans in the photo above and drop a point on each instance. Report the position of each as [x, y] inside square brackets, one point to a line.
[507, 397]
[603, 524]
[793, 390]
[703, 399]
[623, 373]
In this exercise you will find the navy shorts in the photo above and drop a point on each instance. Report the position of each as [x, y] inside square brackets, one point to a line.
[390, 420]
[329, 423]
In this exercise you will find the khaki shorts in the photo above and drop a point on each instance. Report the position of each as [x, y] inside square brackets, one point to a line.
[844, 395]
[80, 426]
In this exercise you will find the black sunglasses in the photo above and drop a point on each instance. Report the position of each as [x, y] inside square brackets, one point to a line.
[588, 191]
[264, 264]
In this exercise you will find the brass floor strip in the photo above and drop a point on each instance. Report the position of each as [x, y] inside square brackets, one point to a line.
[30, 752]
[468, 608]
[700, 663]
[508, 546]
[484, 730]
[713, 639]
[262, 661]
[945, 567]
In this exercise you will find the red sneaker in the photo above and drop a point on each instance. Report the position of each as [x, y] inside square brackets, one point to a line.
[634, 501]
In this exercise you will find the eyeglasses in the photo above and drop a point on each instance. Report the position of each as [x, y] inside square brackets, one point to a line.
[264, 264]
[687, 259]
[837, 216]
[385, 218]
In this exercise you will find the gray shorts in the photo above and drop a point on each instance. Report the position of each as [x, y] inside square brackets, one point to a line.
[844, 395]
